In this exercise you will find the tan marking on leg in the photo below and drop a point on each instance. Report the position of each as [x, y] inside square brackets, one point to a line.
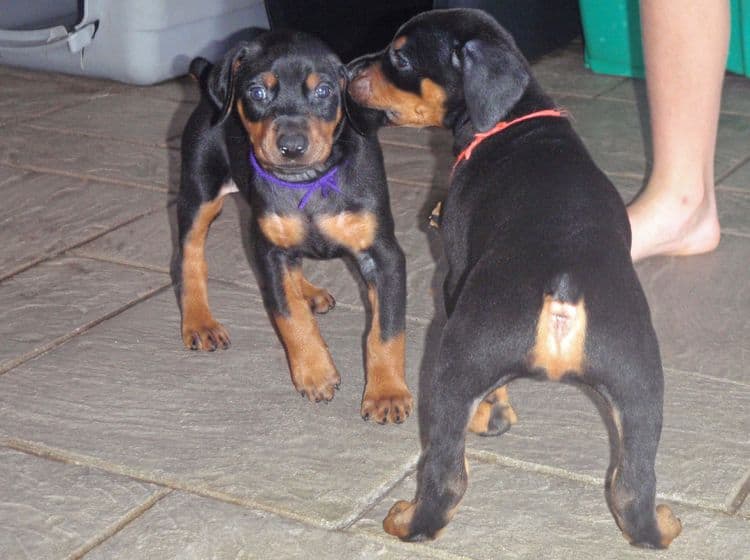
[495, 402]
[434, 220]
[386, 398]
[200, 330]
[283, 231]
[353, 230]
[669, 525]
[399, 42]
[319, 299]
[398, 520]
[312, 369]
[560, 338]
[372, 89]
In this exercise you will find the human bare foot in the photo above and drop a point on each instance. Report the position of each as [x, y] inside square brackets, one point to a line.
[673, 222]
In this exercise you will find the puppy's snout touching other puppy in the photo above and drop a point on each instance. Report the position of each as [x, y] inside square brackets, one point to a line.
[292, 144]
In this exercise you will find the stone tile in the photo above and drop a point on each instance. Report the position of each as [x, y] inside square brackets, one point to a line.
[68, 81]
[149, 242]
[150, 121]
[9, 175]
[739, 179]
[188, 527]
[517, 514]
[49, 509]
[562, 72]
[424, 137]
[24, 99]
[616, 133]
[44, 214]
[127, 394]
[734, 212]
[85, 156]
[612, 132]
[429, 167]
[183, 89]
[736, 95]
[55, 298]
[699, 307]
[559, 427]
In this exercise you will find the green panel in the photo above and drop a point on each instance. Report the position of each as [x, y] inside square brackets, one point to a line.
[612, 30]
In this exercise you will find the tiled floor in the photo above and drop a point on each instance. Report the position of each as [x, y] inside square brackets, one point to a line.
[115, 442]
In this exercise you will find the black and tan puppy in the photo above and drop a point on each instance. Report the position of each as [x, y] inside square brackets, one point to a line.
[540, 280]
[272, 124]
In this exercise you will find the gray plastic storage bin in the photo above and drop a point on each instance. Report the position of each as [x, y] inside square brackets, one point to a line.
[134, 41]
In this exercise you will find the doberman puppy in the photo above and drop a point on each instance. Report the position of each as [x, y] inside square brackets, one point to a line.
[540, 280]
[272, 124]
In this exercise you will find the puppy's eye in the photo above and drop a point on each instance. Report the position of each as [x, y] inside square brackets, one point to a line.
[400, 61]
[323, 90]
[258, 93]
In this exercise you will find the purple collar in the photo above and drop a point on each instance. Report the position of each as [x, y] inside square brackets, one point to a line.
[325, 184]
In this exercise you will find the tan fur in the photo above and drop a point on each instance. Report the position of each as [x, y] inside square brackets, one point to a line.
[196, 315]
[425, 109]
[283, 231]
[386, 397]
[353, 230]
[560, 339]
[310, 361]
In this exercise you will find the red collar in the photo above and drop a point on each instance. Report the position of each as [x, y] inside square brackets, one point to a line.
[499, 127]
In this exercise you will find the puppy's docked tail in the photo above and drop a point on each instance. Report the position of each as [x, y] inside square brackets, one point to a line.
[559, 348]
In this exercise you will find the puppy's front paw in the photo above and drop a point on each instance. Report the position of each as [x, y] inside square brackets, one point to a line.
[387, 404]
[207, 335]
[398, 520]
[317, 383]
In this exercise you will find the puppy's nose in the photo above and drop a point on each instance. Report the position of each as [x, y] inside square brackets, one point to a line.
[292, 145]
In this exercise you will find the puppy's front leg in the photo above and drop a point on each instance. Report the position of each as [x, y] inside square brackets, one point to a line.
[386, 397]
[285, 293]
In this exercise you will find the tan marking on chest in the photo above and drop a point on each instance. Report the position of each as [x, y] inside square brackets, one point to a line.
[283, 231]
[353, 230]
[560, 339]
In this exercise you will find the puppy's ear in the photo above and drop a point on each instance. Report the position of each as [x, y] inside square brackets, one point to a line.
[495, 77]
[222, 80]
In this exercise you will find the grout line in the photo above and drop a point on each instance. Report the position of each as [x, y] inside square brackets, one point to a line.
[170, 486]
[57, 253]
[60, 340]
[740, 495]
[86, 177]
[527, 466]
[603, 94]
[733, 169]
[683, 372]
[374, 498]
[78, 459]
[224, 281]
[126, 520]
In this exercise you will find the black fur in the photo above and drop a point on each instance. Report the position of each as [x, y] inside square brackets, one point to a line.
[216, 146]
[529, 215]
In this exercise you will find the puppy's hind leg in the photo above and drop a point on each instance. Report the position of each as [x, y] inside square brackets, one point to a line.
[631, 485]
